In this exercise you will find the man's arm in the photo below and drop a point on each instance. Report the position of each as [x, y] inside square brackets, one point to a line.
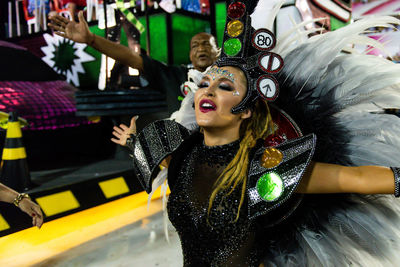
[323, 178]
[79, 32]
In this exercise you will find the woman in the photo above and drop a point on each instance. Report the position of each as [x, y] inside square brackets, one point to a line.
[24, 202]
[210, 174]
[231, 197]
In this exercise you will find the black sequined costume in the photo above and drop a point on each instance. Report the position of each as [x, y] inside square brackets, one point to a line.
[216, 239]
[188, 205]
[345, 99]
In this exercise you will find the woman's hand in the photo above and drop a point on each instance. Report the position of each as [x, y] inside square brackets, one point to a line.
[33, 210]
[123, 132]
[76, 31]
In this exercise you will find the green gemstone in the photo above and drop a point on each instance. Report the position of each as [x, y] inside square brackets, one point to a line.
[270, 186]
[232, 47]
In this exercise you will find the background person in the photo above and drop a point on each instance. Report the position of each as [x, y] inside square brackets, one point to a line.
[73, 6]
[162, 77]
[34, 9]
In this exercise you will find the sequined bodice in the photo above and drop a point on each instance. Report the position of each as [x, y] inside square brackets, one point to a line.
[210, 239]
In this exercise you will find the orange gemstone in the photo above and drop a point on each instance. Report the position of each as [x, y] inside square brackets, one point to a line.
[235, 28]
[271, 158]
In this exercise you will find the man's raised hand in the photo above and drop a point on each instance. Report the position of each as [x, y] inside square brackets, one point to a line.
[76, 31]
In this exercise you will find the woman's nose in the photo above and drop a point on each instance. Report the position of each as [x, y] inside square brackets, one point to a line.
[210, 91]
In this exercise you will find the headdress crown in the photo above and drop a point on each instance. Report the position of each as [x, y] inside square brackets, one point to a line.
[248, 49]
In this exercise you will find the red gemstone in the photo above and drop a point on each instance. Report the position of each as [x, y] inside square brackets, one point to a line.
[236, 10]
[274, 140]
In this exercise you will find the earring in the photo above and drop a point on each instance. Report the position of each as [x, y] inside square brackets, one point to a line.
[236, 93]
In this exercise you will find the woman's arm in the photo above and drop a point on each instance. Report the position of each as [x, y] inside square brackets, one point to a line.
[7, 194]
[79, 32]
[23, 202]
[330, 178]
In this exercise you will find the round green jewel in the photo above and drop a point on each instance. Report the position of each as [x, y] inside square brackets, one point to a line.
[270, 186]
[232, 47]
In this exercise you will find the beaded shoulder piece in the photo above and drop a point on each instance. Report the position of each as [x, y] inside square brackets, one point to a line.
[153, 144]
[275, 173]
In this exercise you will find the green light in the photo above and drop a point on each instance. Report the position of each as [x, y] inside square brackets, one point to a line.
[270, 186]
[232, 47]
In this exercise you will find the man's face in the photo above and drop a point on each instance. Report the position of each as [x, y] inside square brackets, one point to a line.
[203, 51]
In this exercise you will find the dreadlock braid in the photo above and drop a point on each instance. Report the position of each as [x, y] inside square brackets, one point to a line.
[259, 125]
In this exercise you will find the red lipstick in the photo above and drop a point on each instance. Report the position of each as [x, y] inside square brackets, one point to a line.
[207, 105]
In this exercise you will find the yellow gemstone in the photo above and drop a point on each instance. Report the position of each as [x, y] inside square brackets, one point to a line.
[235, 28]
[271, 158]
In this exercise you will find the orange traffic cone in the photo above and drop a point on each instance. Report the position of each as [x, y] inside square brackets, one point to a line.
[15, 172]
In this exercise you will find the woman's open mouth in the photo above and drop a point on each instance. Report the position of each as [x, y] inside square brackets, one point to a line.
[207, 105]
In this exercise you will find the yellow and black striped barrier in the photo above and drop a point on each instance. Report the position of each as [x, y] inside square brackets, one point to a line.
[57, 199]
[78, 190]
[14, 166]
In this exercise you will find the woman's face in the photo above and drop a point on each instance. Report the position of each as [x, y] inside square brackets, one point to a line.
[219, 91]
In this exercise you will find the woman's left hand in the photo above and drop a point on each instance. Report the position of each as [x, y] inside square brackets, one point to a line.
[123, 132]
[33, 210]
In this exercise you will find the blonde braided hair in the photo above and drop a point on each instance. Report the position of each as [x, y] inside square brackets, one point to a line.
[259, 125]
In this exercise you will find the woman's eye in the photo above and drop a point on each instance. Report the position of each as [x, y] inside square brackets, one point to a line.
[226, 87]
[203, 85]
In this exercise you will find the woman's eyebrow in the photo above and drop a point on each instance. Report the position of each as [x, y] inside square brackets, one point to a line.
[216, 73]
[225, 79]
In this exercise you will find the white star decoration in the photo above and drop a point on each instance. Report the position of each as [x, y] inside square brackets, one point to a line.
[54, 41]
